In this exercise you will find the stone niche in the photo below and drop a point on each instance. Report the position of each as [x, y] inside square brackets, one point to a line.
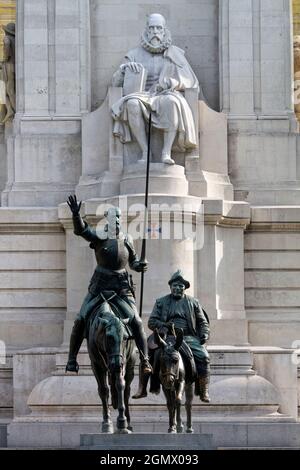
[194, 28]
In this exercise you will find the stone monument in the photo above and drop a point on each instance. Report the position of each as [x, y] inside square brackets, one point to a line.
[168, 76]
[242, 177]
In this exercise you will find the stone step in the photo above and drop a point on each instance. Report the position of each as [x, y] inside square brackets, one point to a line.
[146, 441]
[64, 434]
[3, 435]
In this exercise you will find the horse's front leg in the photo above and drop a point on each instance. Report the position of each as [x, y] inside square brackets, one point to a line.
[129, 376]
[121, 420]
[170, 396]
[189, 395]
[103, 390]
[178, 401]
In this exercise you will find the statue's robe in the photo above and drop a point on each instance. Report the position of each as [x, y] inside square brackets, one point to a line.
[172, 66]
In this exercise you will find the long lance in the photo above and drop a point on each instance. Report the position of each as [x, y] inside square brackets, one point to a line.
[143, 252]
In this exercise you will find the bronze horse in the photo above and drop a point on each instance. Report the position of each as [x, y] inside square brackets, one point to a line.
[112, 355]
[172, 376]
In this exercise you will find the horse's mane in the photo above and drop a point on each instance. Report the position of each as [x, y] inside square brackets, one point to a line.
[100, 316]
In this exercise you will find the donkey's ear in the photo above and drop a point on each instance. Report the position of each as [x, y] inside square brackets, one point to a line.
[158, 339]
[179, 339]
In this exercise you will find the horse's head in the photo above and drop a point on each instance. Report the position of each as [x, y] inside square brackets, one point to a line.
[112, 335]
[170, 359]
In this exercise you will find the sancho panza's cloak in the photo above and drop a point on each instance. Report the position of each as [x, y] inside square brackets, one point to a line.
[176, 68]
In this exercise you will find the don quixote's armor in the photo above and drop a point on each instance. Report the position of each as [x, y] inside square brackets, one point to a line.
[114, 250]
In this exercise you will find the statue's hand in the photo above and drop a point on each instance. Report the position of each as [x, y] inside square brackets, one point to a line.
[134, 67]
[141, 267]
[167, 84]
[74, 205]
[203, 339]
[164, 86]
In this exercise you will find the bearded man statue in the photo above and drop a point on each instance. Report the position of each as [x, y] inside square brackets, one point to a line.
[168, 75]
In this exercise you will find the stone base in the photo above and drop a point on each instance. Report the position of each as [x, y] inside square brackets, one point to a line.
[166, 179]
[3, 433]
[106, 185]
[274, 433]
[207, 184]
[146, 442]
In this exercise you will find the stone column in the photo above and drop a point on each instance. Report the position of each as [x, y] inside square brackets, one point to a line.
[256, 78]
[53, 91]
[220, 270]
[256, 59]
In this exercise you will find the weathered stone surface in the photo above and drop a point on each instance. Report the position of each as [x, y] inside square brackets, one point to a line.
[146, 442]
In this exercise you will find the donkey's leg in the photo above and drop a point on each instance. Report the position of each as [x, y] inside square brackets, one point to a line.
[170, 396]
[178, 401]
[129, 376]
[103, 390]
[189, 395]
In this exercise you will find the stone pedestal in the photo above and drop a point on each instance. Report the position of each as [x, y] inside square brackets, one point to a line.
[146, 442]
[166, 179]
[65, 406]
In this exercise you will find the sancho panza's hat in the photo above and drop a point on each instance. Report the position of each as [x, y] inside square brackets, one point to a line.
[178, 276]
[10, 28]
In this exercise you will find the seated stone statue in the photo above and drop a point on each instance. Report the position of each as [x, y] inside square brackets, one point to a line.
[168, 75]
[186, 313]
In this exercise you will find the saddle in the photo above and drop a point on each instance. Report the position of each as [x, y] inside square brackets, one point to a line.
[106, 297]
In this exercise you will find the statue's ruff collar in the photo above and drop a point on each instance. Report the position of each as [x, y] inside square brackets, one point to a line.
[158, 49]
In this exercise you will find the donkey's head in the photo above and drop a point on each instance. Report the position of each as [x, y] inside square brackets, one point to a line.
[170, 359]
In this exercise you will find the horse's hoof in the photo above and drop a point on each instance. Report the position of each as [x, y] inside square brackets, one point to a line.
[107, 429]
[180, 429]
[123, 431]
[172, 431]
[130, 428]
[190, 430]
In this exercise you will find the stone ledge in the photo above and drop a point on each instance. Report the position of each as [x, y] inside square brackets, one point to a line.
[146, 441]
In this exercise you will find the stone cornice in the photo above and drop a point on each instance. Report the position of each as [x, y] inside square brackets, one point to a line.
[29, 220]
[227, 214]
[274, 219]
